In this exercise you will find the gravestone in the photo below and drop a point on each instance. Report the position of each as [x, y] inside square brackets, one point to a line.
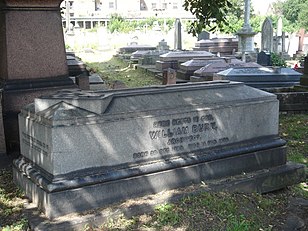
[264, 58]
[203, 35]
[207, 72]
[304, 78]
[82, 150]
[32, 57]
[162, 46]
[169, 77]
[264, 77]
[174, 58]
[177, 35]
[267, 35]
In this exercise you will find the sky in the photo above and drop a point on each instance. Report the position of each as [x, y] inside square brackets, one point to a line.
[261, 6]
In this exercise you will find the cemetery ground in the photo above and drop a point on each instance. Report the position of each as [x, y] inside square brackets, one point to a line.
[204, 211]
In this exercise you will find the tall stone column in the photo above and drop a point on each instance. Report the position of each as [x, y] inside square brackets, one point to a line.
[246, 34]
[32, 57]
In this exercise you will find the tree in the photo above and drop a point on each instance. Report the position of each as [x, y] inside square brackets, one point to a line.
[295, 11]
[210, 14]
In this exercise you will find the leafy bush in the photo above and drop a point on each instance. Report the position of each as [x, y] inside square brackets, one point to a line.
[277, 60]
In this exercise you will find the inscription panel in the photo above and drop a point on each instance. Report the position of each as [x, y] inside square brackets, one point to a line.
[180, 134]
[35, 144]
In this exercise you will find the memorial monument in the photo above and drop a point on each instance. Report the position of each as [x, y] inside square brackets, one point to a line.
[83, 150]
[32, 57]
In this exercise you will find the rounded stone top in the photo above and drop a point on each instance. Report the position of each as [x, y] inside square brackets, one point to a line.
[30, 3]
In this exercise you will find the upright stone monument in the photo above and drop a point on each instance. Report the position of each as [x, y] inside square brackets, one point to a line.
[267, 35]
[32, 57]
[246, 36]
[177, 35]
[83, 150]
[304, 78]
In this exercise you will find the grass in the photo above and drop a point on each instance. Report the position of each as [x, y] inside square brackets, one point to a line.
[118, 70]
[11, 204]
[206, 211]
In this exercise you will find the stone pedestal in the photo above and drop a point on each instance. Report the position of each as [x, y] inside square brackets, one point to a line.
[32, 57]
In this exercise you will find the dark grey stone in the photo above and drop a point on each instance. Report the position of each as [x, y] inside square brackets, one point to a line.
[262, 77]
[264, 58]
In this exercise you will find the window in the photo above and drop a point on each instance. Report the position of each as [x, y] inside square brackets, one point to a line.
[111, 5]
[164, 6]
[175, 5]
[154, 6]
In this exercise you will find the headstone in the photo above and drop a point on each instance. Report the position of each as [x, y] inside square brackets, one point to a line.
[83, 150]
[304, 78]
[174, 58]
[264, 58]
[162, 46]
[178, 35]
[203, 35]
[29, 65]
[267, 35]
[169, 77]
[264, 77]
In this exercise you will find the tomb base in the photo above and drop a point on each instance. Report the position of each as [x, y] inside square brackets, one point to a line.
[60, 198]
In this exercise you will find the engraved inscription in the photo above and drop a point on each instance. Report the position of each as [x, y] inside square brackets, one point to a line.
[183, 134]
[35, 144]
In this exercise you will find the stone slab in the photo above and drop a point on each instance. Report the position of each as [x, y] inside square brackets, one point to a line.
[250, 182]
[55, 204]
[183, 56]
[135, 47]
[213, 68]
[261, 77]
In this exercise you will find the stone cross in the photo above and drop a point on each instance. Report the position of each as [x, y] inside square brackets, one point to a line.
[267, 35]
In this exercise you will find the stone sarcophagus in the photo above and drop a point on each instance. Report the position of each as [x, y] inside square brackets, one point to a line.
[82, 150]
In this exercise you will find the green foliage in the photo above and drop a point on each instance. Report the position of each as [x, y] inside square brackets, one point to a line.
[166, 214]
[210, 14]
[277, 60]
[119, 24]
[294, 12]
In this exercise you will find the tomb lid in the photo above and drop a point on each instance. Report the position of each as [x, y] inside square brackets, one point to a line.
[150, 101]
[178, 55]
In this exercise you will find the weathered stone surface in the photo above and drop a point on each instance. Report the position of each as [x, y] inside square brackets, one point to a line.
[32, 57]
[261, 77]
[206, 73]
[81, 150]
[174, 58]
[224, 46]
